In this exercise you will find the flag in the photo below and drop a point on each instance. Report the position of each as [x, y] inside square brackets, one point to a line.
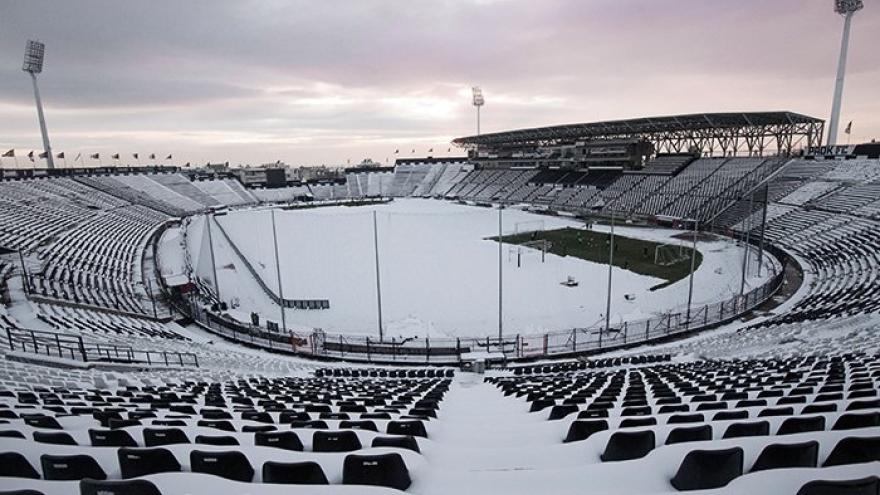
[396, 151]
[95, 156]
[31, 155]
[848, 129]
[430, 150]
[169, 157]
[152, 156]
[9, 154]
[60, 155]
[44, 154]
[115, 156]
[135, 155]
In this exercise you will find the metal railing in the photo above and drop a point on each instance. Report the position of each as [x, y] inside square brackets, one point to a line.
[73, 347]
[425, 350]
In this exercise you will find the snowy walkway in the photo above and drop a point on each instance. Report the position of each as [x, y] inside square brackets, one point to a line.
[481, 432]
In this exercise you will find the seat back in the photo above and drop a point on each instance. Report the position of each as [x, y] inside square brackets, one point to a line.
[298, 473]
[380, 470]
[335, 441]
[15, 465]
[287, 440]
[232, 465]
[708, 469]
[111, 438]
[627, 445]
[71, 467]
[777, 455]
[134, 462]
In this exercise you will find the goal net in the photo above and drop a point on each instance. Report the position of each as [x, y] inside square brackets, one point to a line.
[530, 226]
[669, 254]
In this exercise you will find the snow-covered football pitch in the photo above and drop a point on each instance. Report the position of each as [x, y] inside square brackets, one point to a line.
[438, 270]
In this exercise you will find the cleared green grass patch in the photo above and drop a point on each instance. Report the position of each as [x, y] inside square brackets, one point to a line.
[635, 255]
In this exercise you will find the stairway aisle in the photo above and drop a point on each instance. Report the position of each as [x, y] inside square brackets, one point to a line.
[481, 432]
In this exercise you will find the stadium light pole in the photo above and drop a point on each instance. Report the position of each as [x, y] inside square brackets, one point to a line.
[378, 282]
[610, 269]
[278, 273]
[846, 8]
[691, 277]
[208, 219]
[478, 101]
[746, 238]
[33, 65]
[500, 272]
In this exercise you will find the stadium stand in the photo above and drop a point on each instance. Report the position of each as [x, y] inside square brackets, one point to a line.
[786, 402]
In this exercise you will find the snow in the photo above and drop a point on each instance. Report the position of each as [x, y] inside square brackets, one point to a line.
[439, 273]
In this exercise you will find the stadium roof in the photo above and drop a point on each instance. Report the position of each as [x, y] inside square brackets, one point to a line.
[692, 127]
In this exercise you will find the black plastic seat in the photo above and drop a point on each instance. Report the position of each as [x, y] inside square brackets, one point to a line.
[111, 438]
[689, 434]
[287, 440]
[854, 450]
[730, 415]
[559, 412]
[46, 422]
[71, 467]
[258, 428]
[625, 445]
[863, 486]
[54, 437]
[584, 429]
[15, 465]
[154, 437]
[21, 492]
[134, 462]
[637, 422]
[401, 442]
[749, 429]
[232, 465]
[707, 469]
[216, 440]
[413, 428]
[801, 424]
[217, 424]
[11, 434]
[380, 470]
[298, 473]
[788, 455]
[685, 418]
[125, 487]
[851, 421]
[335, 441]
[359, 425]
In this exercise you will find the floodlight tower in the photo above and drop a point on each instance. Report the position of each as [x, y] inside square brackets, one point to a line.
[846, 8]
[33, 65]
[478, 101]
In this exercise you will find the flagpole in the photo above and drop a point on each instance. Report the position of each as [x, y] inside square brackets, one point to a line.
[278, 274]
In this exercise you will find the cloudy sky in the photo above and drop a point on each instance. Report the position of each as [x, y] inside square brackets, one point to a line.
[326, 81]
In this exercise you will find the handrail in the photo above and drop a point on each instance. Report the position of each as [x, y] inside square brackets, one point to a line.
[73, 347]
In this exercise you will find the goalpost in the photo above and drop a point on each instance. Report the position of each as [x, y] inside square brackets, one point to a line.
[670, 254]
[533, 247]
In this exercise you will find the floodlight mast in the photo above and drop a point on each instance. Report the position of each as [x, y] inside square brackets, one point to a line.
[478, 101]
[33, 65]
[846, 8]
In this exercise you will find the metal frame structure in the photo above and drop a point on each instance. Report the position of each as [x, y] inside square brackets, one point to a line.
[846, 8]
[34, 52]
[721, 134]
